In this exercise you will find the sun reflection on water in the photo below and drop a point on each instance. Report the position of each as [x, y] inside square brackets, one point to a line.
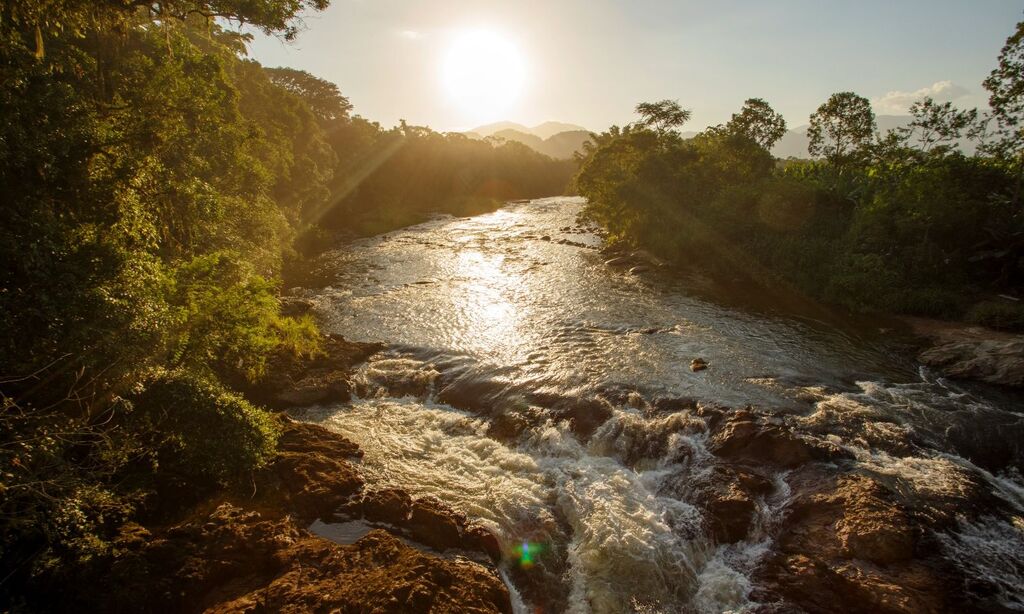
[487, 291]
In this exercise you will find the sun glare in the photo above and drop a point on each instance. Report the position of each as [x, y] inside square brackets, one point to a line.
[483, 73]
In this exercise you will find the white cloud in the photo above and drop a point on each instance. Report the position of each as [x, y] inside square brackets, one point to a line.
[898, 103]
[411, 35]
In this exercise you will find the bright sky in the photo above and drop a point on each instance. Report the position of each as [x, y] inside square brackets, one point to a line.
[590, 62]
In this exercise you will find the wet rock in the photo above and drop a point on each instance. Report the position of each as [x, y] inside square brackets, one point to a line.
[746, 438]
[330, 387]
[620, 261]
[640, 268]
[698, 364]
[433, 524]
[482, 540]
[295, 306]
[293, 381]
[310, 474]
[728, 496]
[993, 360]
[387, 505]
[584, 415]
[872, 528]
[730, 512]
[845, 540]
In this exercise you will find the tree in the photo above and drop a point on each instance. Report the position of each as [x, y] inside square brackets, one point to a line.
[321, 95]
[758, 122]
[662, 116]
[841, 128]
[1006, 97]
[937, 124]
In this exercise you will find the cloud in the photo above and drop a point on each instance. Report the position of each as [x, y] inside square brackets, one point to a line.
[412, 35]
[898, 103]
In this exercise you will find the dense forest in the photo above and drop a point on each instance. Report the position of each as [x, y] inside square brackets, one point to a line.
[900, 222]
[156, 182]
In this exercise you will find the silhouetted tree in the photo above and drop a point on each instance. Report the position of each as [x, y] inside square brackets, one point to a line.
[841, 127]
[759, 122]
[322, 96]
[1006, 97]
[662, 116]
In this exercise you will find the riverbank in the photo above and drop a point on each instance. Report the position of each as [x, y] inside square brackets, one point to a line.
[251, 546]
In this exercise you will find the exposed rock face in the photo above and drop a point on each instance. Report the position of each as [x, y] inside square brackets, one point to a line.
[997, 361]
[845, 543]
[378, 573]
[310, 475]
[435, 525]
[756, 439]
[846, 539]
[245, 552]
[294, 381]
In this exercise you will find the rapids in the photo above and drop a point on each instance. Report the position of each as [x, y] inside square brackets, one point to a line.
[502, 327]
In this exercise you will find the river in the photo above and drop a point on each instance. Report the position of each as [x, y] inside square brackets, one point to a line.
[550, 397]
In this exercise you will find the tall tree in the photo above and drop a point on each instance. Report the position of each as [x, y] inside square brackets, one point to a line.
[937, 124]
[758, 121]
[662, 116]
[321, 95]
[1006, 97]
[841, 128]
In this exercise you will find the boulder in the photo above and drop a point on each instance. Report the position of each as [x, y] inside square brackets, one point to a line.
[433, 524]
[756, 440]
[480, 539]
[389, 505]
[294, 306]
[993, 360]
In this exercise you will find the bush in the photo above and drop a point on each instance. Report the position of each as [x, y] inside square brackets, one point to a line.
[228, 319]
[1002, 315]
[198, 429]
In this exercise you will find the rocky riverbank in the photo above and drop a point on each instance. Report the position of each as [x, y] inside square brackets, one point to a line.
[250, 548]
[972, 352]
[309, 533]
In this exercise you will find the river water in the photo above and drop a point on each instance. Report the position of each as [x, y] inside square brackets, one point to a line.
[547, 395]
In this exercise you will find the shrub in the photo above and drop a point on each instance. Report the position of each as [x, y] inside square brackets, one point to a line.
[198, 429]
[1003, 315]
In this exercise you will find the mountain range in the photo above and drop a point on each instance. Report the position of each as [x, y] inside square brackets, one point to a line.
[560, 140]
[555, 139]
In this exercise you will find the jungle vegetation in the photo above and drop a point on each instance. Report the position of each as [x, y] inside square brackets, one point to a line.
[155, 184]
[901, 222]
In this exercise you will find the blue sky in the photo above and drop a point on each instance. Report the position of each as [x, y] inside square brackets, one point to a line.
[590, 61]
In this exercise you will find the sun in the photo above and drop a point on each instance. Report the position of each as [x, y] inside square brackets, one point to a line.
[483, 74]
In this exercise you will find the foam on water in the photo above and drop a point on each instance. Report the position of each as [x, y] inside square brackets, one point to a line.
[627, 546]
[497, 314]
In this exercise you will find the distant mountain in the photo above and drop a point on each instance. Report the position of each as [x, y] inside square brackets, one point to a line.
[550, 129]
[794, 142]
[542, 131]
[560, 146]
[489, 129]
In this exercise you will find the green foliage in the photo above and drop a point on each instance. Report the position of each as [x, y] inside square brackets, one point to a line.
[227, 320]
[192, 426]
[904, 223]
[758, 122]
[999, 314]
[662, 116]
[323, 97]
[842, 128]
[402, 175]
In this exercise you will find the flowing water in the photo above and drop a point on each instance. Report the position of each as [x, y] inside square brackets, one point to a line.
[502, 326]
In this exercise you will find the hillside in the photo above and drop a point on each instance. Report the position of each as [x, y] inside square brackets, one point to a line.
[560, 146]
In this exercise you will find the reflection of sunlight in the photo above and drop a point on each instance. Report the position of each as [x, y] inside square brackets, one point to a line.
[487, 289]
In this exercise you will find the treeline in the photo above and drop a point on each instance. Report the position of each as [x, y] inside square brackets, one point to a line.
[900, 222]
[154, 185]
[391, 178]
